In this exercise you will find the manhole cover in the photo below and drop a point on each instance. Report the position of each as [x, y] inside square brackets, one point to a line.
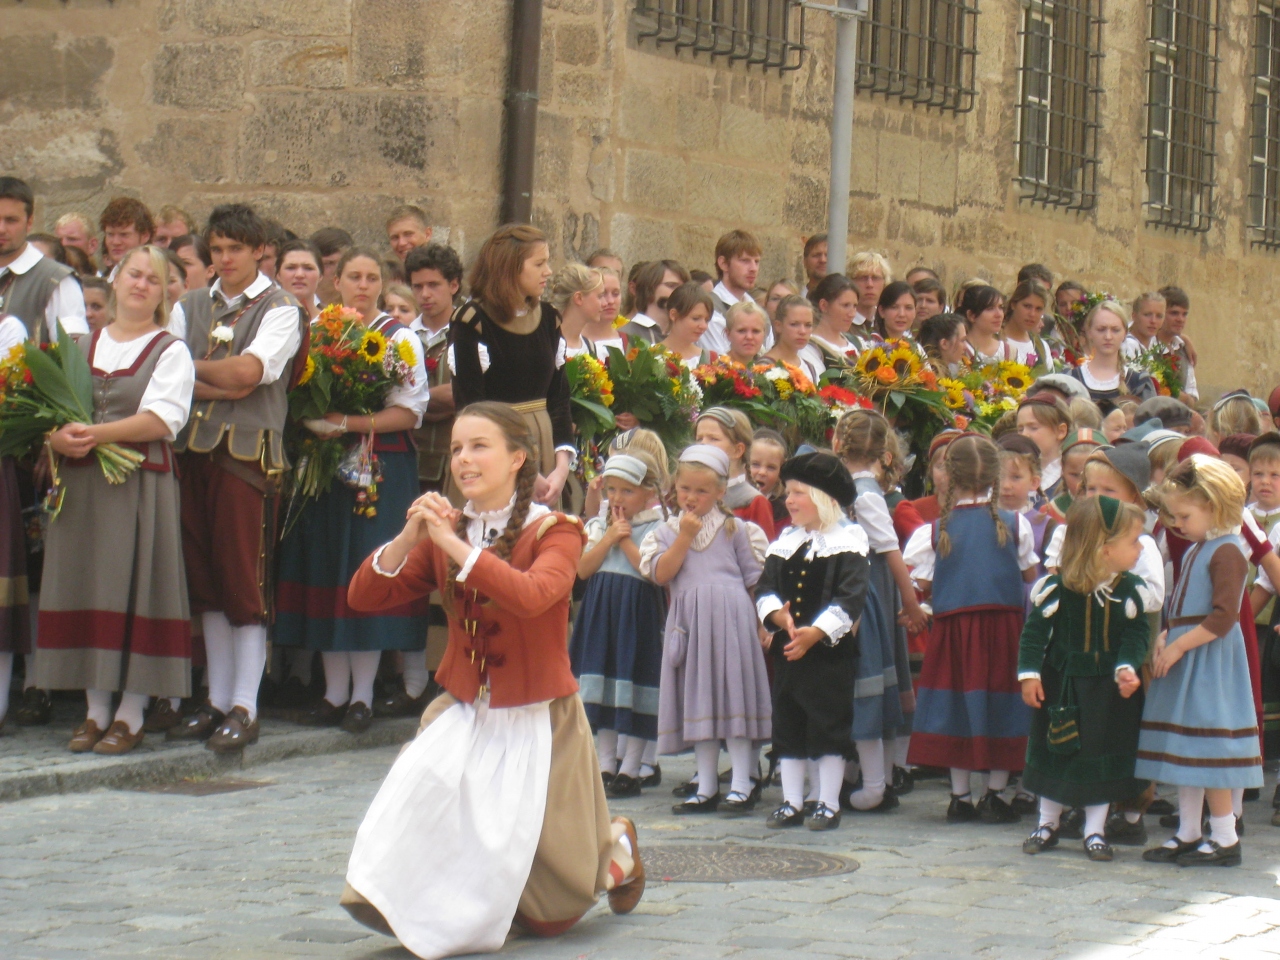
[205, 788]
[716, 863]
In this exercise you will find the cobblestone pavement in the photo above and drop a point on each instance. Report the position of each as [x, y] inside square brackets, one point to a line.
[257, 873]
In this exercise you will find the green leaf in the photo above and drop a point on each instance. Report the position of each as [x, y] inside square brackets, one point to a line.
[49, 380]
[604, 414]
[76, 367]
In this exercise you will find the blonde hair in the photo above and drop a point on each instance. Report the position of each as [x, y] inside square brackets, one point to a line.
[1084, 413]
[1081, 566]
[570, 279]
[1209, 482]
[861, 436]
[158, 260]
[735, 425]
[830, 513]
[868, 263]
[1107, 306]
[894, 463]
[647, 442]
[1236, 415]
[745, 308]
[1164, 456]
[973, 466]
[402, 290]
[1144, 298]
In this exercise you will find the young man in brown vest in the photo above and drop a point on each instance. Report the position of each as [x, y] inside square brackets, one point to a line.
[245, 334]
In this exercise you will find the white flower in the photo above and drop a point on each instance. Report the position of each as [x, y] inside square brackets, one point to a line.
[222, 334]
[776, 373]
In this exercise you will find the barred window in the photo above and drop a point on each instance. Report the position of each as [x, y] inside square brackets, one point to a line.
[1058, 106]
[1182, 94]
[768, 33]
[920, 51]
[1264, 168]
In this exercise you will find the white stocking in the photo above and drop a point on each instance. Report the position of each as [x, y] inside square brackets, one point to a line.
[649, 759]
[220, 656]
[707, 753]
[792, 780]
[1050, 813]
[871, 755]
[416, 674]
[900, 747]
[607, 750]
[997, 780]
[1237, 801]
[130, 710]
[98, 703]
[1190, 809]
[742, 754]
[337, 677]
[631, 762]
[364, 670]
[251, 659]
[1095, 819]
[959, 782]
[830, 779]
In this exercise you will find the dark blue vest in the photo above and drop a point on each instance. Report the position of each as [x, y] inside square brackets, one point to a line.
[978, 572]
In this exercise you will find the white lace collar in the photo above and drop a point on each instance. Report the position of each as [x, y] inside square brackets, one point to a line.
[486, 526]
[843, 538]
[711, 524]
[647, 515]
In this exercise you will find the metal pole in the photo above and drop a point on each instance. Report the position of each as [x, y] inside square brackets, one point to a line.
[846, 67]
[522, 111]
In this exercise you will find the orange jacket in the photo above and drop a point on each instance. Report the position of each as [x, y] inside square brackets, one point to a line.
[508, 624]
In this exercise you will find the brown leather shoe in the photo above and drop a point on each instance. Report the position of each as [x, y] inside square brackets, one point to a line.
[623, 899]
[118, 739]
[358, 718]
[199, 725]
[236, 733]
[85, 738]
[34, 709]
[162, 717]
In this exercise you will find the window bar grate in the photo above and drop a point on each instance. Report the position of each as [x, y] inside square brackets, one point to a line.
[1182, 93]
[1058, 123]
[1264, 166]
[921, 52]
[764, 33]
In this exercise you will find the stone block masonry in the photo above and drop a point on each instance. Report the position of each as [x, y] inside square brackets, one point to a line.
[331, 111]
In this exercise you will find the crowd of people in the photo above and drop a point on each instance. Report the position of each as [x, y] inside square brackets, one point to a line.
[1069, 611]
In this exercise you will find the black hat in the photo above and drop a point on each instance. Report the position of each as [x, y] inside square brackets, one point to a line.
[1130, 460]
[823, 471]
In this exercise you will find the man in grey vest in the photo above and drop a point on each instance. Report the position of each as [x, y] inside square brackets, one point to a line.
[245, 335]
[33, 288]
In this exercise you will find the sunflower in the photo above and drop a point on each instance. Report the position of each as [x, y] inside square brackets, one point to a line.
[905, 362]
[373, 346]
[954, 390]
[1015, 378]
[871, 361]
[308, 372]
[405, 351]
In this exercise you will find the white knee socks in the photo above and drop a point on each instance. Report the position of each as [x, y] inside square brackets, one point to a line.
[607, 750]
[960, 783]
[743, 755]
[830, 778]
[131, 709]
[997, 780]
[900, 747]
[337, 677]
[707, 753]
[792, 771]
[98, 703]
[6, 677]
[1095, 819]
[1190, 809]
[1237, 802]
[871, 755]
[251, 659]
[1050, 813]
[364, 670]
[219, 647]
[416, 674]
[630, 765]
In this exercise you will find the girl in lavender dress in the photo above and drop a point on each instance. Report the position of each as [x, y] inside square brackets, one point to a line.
[714, 685]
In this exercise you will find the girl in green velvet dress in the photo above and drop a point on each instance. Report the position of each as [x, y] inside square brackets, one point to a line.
[1082, 646]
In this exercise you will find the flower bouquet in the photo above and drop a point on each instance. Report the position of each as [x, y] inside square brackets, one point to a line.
[840, 401]
[350, 369]
[986, 392]
[800, 404]
[894, 376]
[590, 397]
[651, 384]
[727, 383]
[46, 387]
[1069, 328]
[1164, 367]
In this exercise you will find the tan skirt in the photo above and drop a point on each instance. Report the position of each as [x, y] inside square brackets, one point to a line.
[539, 421]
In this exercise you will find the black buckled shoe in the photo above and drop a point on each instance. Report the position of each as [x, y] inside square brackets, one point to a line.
[1025, 804]
[34, 709]
[823, 818]
[903, 781]
[1164, 854]
[993, 808]
[1097, 848]
[623, 786]
[1216, 856]
[1044, 838]
[1072, 825]
[358, 718]
[738, 803]
[697, 804]
[1121, 832]
[606, 778]
[785, 816]
[961, 810]
[654, 779]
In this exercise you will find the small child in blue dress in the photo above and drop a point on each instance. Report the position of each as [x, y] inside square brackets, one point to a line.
[616, 648]
[1199, 729]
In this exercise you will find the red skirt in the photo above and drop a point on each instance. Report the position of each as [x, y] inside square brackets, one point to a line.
[969, 709]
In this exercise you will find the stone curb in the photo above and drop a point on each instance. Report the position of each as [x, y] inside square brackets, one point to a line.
[178, 762]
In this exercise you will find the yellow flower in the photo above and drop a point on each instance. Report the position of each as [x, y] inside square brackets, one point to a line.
[309, 372]
[619, 322]
[1015, 377]
[905, 361]
[606, 399]
[405, 351]
[954, 391]
[373, 346]
[784, 389]
[870, 361]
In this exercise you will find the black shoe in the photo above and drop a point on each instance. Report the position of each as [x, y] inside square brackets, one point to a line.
[961, 810]
[1122, 833]
[1097, 848]
[199, 725]
[323, 714]
[903, 781]
[993, 808]
[1163, 854]
[1161, 807]
[607, 779]
[1251, 794]
[622, 787]
[1239, 826]
[654, 779]
[685, 789]
[846, 791]
[35, 709]
[697, 804]
[399, 704]
[1275, 798]
[357, 719]
[1172, 821]
[809, 807]
[737, 803]
[785, 816]
[1024, 804]
[1072, 826]
[1216, 856]
[1044, 838]
[823, 818]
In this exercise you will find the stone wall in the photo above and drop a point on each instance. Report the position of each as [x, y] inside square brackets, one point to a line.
[331, 111]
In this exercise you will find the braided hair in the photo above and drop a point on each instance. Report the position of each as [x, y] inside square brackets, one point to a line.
[973, 465]
[519, 437]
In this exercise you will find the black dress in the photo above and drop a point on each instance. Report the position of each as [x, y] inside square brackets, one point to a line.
[1133, 383]
[522, 370]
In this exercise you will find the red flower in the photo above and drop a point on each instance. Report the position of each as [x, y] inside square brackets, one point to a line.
[673, 371]
[744, 389]
[26, 377]
[432, 364]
